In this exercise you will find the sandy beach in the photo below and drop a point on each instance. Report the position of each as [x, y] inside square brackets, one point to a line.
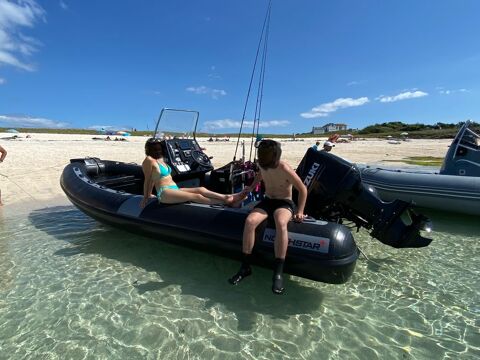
[33, 166]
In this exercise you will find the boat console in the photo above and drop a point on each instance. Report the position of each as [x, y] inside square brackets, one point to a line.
[463, 156]
[336, 192]
[181, 150]
[186, 158]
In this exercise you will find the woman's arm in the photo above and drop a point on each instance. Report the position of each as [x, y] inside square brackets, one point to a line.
[147, 183]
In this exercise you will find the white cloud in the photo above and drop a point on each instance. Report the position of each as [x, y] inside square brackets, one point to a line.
[235, 124]
[203, 90]
[213, 74]
[444, 91]
[63, 5]
[15, 47]
[324, 110]
[2, 81]
[402, 96]
[30, 122]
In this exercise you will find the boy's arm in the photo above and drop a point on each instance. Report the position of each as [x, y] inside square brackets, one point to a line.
[256, 180]
[301, 188]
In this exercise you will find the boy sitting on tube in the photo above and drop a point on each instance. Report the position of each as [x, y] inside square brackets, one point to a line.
[279, 178]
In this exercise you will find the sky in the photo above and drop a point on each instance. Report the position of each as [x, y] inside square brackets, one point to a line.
[117, 63]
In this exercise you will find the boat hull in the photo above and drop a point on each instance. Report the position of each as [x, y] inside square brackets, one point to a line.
[453, 193]
[318, 250]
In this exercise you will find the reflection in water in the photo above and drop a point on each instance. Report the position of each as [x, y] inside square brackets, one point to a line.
[197, 273]
[6, 264]
[79, 289]
[455, 224]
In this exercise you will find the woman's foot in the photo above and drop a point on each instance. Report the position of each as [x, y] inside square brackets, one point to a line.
[229, 200]
[234, 200]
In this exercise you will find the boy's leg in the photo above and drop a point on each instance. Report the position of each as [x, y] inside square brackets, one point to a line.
[282, 216]
[251, 223]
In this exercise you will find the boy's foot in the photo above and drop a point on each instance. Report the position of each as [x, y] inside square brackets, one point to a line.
[240, 275]
[277, 285]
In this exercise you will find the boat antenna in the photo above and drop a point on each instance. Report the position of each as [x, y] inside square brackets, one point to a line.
[262, 41]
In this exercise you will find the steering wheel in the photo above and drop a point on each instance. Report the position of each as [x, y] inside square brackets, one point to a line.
[201, 158]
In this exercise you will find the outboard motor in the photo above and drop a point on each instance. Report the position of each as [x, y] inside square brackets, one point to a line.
[336, 191]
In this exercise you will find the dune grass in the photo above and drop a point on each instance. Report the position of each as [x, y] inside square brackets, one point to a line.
[421, 160]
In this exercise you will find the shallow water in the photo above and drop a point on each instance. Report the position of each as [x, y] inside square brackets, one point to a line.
[72, 288]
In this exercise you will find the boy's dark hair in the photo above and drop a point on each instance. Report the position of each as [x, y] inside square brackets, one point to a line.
[149, 146]
[269, 152]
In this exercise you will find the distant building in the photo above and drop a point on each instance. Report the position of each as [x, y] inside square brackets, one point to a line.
[330, 127]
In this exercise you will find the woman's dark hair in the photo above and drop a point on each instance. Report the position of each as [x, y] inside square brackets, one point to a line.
[150, 148]
[269, 152]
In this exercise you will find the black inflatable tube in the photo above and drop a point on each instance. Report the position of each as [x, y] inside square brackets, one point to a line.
[212, 229]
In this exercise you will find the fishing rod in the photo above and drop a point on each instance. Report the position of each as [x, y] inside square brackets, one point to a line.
[263, 40]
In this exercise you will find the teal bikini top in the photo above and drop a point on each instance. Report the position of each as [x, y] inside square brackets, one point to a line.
[164, 170]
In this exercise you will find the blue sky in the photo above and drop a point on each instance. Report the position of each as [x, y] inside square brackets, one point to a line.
[92, 63]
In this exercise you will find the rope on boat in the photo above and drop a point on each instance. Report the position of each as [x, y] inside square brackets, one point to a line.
[21, 188]
[366, 257]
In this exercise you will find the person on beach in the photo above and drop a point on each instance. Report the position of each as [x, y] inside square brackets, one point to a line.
[157, 173]
[315, 147]
[279, 179]
[3, 153]
[327, 146]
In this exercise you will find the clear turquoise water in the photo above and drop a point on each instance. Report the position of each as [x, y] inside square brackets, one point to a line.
[72, 288]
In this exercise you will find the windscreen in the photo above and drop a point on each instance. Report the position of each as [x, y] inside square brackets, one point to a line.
[173, 123]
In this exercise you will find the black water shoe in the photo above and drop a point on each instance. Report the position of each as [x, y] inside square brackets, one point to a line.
[277, 284]
[277, 279]
[240, 275]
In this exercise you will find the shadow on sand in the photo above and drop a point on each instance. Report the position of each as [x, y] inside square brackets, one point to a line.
[197, 273]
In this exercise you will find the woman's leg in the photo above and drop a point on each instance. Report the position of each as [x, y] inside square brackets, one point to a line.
[171, 196]
[226, 199]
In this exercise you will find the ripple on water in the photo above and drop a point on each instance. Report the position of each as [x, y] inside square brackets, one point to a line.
[74, 288]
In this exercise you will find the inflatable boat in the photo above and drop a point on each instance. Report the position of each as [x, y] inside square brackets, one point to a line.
[456, 188]
[320, 250]
[111, 192]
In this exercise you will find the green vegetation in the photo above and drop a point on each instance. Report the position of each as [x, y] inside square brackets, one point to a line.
[394, 129]
[415, 131]
[422, 160]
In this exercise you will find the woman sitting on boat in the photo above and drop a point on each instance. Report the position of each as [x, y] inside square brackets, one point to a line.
[157, 173]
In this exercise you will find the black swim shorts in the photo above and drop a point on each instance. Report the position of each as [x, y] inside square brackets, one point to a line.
[270, 205]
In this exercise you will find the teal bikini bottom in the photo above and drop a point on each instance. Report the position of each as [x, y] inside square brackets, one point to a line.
[161, 189]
